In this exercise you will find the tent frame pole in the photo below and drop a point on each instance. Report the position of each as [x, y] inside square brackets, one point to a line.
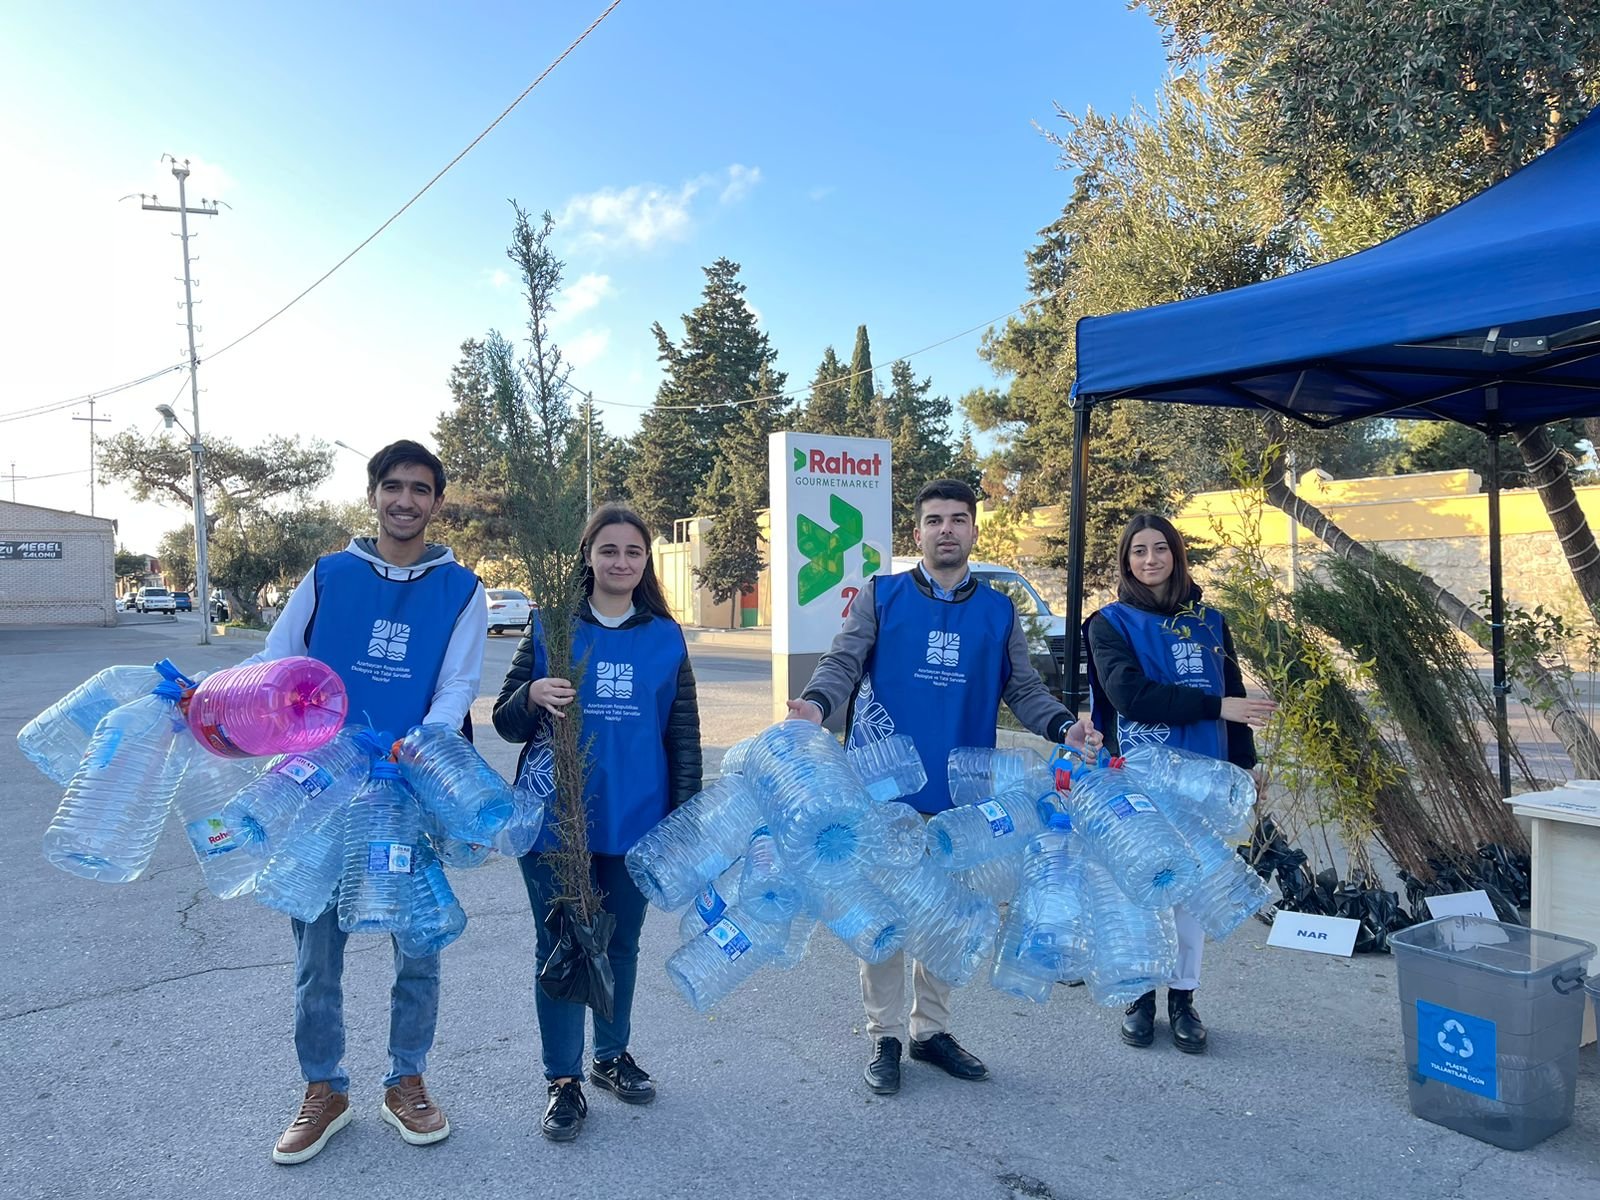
[1497, 598]
[1077, 541]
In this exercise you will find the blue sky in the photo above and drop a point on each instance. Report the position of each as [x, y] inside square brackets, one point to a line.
[870, 163]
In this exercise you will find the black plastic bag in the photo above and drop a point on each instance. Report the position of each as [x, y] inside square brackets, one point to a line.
[1377, 910]
[577, 968]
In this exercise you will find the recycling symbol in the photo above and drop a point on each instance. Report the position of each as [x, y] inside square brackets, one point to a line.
[1464, 1050]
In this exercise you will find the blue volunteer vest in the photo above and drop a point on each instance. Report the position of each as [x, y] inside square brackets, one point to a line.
[386, 637]
[629, 684]
[936, 672]
[1183, 649]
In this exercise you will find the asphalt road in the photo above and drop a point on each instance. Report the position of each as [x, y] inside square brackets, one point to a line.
[146, 1042]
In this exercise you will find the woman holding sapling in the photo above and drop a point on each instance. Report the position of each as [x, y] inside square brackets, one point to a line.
[1162, 670]
[641, 728]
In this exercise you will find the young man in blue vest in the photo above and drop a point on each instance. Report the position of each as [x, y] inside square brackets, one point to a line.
[404, 625]
[930, 653]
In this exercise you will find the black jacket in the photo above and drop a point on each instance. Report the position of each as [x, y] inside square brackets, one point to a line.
[514, 722]
[1129, 690]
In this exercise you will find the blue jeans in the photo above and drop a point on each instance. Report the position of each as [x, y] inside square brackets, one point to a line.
[561, 1021]
[319, 1005]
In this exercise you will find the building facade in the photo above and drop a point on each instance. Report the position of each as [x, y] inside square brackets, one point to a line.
[56, 568]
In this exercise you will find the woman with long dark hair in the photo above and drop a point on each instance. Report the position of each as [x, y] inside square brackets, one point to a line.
[641, 722]
[1162, 670]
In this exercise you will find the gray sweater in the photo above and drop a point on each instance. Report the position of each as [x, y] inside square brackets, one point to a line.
[834, 682]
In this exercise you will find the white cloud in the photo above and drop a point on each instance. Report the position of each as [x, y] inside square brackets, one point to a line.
[587, 347]
[644, 215]
[583, 294]
[499, 279]
[740, 180]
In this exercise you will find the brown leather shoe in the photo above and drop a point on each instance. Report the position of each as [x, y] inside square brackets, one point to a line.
[322, 1114]
[408, 1107]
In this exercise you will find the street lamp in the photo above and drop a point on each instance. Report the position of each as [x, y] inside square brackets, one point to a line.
[349, 447]
[202, 574]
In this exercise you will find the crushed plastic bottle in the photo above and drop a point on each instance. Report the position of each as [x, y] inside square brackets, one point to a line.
[55, 740]
[1055, 926]
[1014, 973]
[710, 966]
[301, 877]
[889, 768]
[969, 834]
[1134, 949]
[995, 879]
[695, 843]
[436, 918]
[949, 930]
[1228, 892]
[1122, 829]
[207, 786]
[864, 919]
[1222, 794]
[467, 797]
[978, 772]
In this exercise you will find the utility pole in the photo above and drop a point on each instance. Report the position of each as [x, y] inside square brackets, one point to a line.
[14, 477]
[93, 421]
[588, 453]
[208, 208]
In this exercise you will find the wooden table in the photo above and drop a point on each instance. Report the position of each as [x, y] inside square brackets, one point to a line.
[1566, 865]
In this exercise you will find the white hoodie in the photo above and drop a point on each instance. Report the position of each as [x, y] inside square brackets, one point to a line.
[462, 668]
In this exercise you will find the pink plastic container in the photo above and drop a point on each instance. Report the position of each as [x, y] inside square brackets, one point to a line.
[285, 706]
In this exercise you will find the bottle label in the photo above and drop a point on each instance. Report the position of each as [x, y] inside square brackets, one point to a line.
[210, 837]
[312, 779]
[999, 819]
[388, 858]
[730, 939]
[103, 750]
[217, 738]
[1124, 806]
[710, 905]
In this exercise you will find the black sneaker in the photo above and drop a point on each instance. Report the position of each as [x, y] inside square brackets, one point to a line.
[623, 1078]
[564, 1115]
[1139, 1022]
[944, 1052]
[883, 1072]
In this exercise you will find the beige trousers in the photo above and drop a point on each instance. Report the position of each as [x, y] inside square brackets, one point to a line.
[883, 995]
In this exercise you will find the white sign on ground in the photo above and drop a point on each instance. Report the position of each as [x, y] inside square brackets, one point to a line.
[1318, 934]
[1461, 904]
[832, 529]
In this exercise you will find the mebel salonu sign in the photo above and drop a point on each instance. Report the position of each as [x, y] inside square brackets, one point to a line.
[11, 551]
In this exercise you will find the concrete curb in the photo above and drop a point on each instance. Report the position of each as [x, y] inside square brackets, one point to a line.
[754, 639]
[258, 636]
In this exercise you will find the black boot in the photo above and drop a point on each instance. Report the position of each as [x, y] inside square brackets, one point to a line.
[1139, 1025]
[883, 1072]
[1188, 1034]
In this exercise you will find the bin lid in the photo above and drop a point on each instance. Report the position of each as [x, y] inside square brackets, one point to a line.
[1494, 946]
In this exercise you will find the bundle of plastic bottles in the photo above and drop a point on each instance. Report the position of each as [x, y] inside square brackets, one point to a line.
[798, 833]
[276, 799]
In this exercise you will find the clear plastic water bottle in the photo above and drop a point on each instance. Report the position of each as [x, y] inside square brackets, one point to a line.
[55, 740]
[521, 831]
[266, 808]
[1134, 949]
[1122, 829]
[437, 918]
[207, 786]
[1013, 972]
[1229, 892]
[830, 835]
[864, 919]
[111, 817]
[380, 846]
[468, 797]
[695, 843]
[711, 965]
[768, 890]
[1221, 793]
[889, 768]
[709, 903]
[979, 772]
[302, 875]
[283, 706]
[995, 879]
[969, 834]
[905, 836]
[1055, 926]
[779, 748]
[733, 761]
[794, 950]
[949, 929]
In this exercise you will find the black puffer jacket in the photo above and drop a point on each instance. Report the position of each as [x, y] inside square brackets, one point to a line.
[514, 722]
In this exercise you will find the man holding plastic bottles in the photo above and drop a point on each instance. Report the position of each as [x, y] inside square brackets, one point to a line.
[403, 624]
[879, 666]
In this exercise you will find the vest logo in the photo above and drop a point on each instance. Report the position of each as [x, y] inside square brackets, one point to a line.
[1188, 659]
[613, 679]
[390, 639]
[944, 649]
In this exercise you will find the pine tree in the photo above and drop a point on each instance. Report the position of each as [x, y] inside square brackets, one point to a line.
[860, 410]
[827, 407]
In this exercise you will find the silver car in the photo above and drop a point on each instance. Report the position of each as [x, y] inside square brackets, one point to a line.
[508, 609]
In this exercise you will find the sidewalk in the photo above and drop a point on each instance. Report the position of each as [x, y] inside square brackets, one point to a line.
[757, 640]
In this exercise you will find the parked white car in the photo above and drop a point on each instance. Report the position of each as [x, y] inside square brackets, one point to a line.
[155, 599]
[508, 609]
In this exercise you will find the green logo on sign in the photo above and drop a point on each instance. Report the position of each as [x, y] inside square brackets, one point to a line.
[799, 459]
[824, 549]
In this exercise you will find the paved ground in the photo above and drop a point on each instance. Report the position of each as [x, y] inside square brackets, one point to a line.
[145, 1038]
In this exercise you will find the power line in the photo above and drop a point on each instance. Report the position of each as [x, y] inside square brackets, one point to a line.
[42, 410]
[593, 25]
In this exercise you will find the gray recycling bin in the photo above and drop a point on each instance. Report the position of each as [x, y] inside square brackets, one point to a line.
[1492, 1014]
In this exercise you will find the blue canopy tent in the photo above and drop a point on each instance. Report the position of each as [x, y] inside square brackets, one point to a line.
[1487, 315]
